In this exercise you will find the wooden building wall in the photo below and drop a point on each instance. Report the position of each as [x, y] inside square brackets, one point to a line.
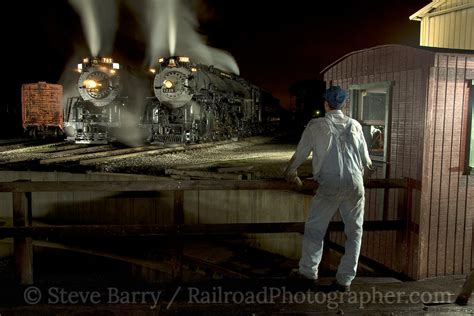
[447, 203]
[450, 25]
[407, 68]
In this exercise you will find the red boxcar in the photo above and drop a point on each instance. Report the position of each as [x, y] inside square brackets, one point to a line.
[41, 109]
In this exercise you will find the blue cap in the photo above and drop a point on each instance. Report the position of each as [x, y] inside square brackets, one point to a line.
[335, 96]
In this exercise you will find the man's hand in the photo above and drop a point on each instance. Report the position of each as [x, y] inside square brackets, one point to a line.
[293, 178]
[369, 171]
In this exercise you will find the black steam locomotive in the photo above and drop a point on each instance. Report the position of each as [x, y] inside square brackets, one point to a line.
[200, 103]
[91, 117]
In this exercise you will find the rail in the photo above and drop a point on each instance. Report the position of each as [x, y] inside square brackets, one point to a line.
[23, 232]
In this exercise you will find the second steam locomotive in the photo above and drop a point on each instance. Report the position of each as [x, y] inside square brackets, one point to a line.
[91, 117]
[200, 103]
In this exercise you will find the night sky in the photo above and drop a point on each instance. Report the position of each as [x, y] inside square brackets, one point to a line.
[275, 43]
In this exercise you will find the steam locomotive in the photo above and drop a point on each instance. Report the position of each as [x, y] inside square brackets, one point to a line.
[199, 103]
[91, 117]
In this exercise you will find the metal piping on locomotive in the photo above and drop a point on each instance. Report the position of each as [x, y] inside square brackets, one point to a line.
[199, 103]
[90, 117]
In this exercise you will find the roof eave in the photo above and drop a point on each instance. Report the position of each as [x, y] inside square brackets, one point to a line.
[425, 10]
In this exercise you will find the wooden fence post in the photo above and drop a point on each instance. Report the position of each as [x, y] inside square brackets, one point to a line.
[178, 219]
[22, 246]
[466, 291]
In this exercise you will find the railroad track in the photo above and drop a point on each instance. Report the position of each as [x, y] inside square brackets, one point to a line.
[116, 154]
[5, 145]
[36, 146]
[89, 155]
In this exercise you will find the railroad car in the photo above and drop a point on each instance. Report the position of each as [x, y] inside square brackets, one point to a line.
[198, 103]
[41, 109]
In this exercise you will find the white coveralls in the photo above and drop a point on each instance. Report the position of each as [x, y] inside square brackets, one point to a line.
[339, 157]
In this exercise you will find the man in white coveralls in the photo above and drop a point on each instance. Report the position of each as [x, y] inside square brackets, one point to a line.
[339, 157]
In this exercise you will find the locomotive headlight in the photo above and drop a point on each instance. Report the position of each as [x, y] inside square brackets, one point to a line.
[168, 84]
[116, 66]
[90, 84]
[152, 70]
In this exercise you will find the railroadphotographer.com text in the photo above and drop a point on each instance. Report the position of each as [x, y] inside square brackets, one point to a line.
[218, 295]
[332, 300]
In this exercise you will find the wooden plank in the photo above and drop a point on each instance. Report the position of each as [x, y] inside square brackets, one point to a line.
[444, 113]
[426, 174]
[452, 187]
[206, 265]
[59, 148]
[203, 174]
[150, 150]
[82, 149]
[235, 169]
[68, 231]
[171, 185]
[130, 154]
[435, 179]
[99, 153]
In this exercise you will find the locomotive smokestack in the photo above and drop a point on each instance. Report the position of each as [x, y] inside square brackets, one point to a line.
[99, 21]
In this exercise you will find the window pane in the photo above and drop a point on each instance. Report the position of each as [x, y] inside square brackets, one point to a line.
[373, 106]
[374, 137]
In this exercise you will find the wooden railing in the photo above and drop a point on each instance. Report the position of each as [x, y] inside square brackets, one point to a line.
[23, 232]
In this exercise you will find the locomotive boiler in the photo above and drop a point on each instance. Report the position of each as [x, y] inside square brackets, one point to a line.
[199, 103]
[92, 116]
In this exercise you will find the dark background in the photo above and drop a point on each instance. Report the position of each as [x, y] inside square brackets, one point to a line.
[275, 43]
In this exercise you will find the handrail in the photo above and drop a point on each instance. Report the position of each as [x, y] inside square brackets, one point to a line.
[173, 230]
[173, 185]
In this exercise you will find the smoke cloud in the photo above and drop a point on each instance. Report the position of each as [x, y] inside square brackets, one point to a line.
[135, 90]
[70, 76]
[99, 21]
[171, 28]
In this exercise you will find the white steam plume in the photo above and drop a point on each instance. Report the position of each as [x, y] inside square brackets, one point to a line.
[70, 76]
[172, 27]
[99, 20]
[135, 89]
[173, 23]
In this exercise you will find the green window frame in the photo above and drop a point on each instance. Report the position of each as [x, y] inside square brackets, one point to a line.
[370, 105]
[470, 138]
